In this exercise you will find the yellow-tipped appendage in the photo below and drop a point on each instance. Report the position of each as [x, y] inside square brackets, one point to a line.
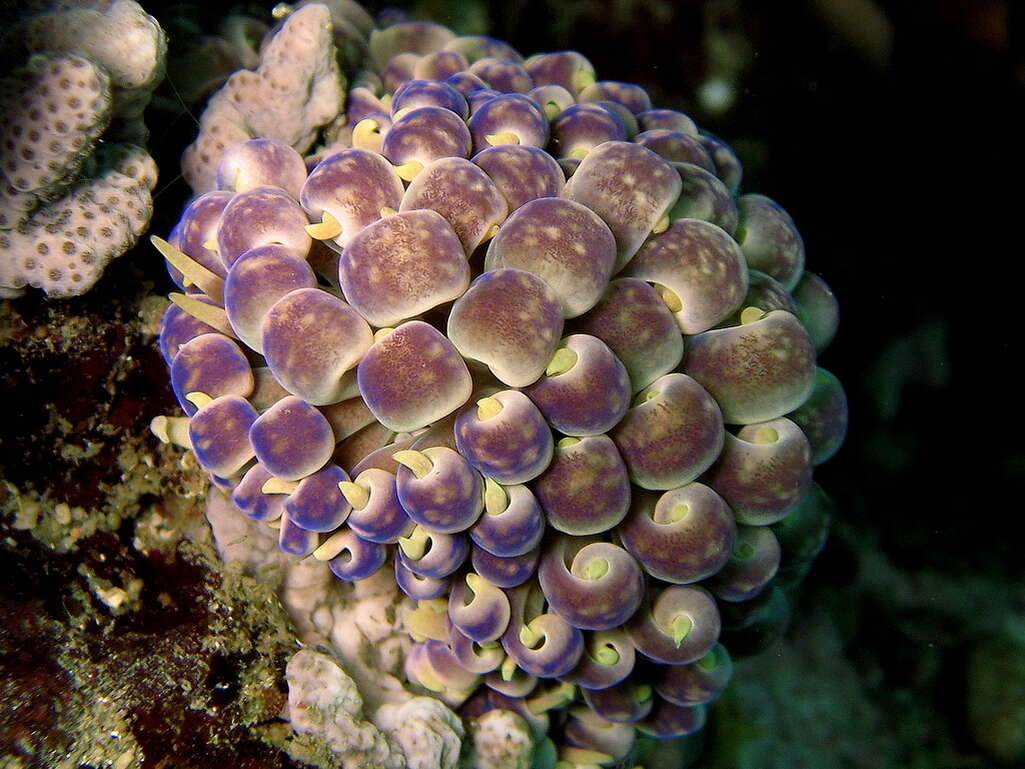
[171, 430]
[488, 407]
[418, 462]
[209, 283]
[326, 229]
[408, 171]
[354, 494]
[750, 315]
[198, 399]
[670, 297]
[278, 486]
[562, 361]
[210, 314]
[502, 137]
[496, 499]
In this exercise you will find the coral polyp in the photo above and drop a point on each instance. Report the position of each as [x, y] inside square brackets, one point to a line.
[504, 336]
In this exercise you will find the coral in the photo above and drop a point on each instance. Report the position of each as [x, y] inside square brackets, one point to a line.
[67, 207]
[295, 90]
[509, 378]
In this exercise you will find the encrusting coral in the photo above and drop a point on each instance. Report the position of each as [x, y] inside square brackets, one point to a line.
[521, 383]
[66, 207]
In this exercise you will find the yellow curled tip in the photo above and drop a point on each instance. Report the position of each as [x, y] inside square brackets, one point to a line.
[408, 171]
[387, 211]
[418, 462]
[366, 134]
[670, 297]
[681, 627]
[332, 546]
[496, 499]
[502, 137]
[565, 443]
[579, 153]
[562, 361]
[326, 229]
[277, 486]
[488, 407]
[751, 314]
[354, 494]
[552, 110]
[198, 399]
[661, 225]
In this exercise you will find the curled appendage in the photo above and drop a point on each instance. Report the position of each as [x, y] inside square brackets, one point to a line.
[476, 657]
[210, 364]
[368, 134]
[769, 239]
[249, 497]
[417, 587]
[667, 721]
[756, 371]
[311, 339]
[699, 267]
[628, 186]
[673, 433]
[219, 434]
[569, 69]
[261, 163]
[542, 644]
[676, 147]
[403, 265]
[763, 471]
[607, 660]
[294, 539]
[751, 567]
[513, 522]
[579, 128]
[258, 217]
[586, 729]
[764, 294]
[292, 439]
[350, 186]
[433, 666]
[625, 703]
[376, 514]
[679, 625]
[601, 588]
[505, 437]
[316, 503]
[509, 320]
[438, 489]
[682, 536]
[633, 320]
[817, 308]
[508, 119]
[424, 134]
[564, 243]
[521, 173]
[258, 279]
[351, 557]
[585, 489]
[823, 417]
[463, 194]
[478, 609]
[727, 164]
[413, 376]
[586, 388]
[802, 535]
[421, 92]
[698, 683]
[510, 680]
[504, 571]
[431, 554]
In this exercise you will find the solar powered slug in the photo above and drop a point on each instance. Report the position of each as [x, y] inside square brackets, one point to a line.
[514, 335]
